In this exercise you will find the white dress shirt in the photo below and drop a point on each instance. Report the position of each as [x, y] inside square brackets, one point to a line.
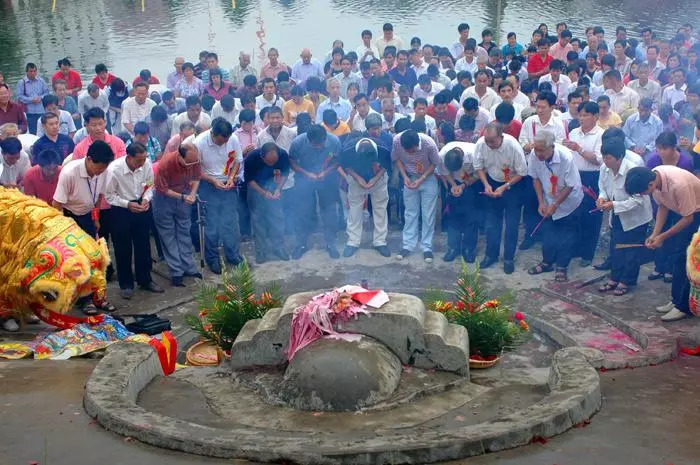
[435, 87]
[467, 169]
[14, 174]
[204, 120]
[217, 111]
[133, 112]
[76, 190]
[489, 99]
[633, 210]
[590, 141]
[406, 110]
[533, 124]
[362, 49]
[509, 155]
[492, 114]
[283, 141]
[626, 99]
[651, 89]
[673, 95]
[560, 88]
[214, 157]
[125, 185]
[480, 122]
[358, 122]
[561, 166]
[463, 65]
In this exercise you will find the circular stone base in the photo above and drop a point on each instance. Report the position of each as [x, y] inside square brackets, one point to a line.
[333, 374]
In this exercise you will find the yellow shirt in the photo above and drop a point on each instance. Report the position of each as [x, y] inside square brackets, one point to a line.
[613, 120]
[340, 130]
[291, 110]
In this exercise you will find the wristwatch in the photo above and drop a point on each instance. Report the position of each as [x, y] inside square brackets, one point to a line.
[508, 185]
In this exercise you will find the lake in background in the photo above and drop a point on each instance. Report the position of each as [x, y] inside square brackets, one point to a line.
[131, 35]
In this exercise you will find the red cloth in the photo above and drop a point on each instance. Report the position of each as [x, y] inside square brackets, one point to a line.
[218, 94]
[174, 176]
[514, 128]
[14, 114]
[35, 184]
[449, 115]
[152, 80]
[110, 78]
[73, 83]
[537, 64]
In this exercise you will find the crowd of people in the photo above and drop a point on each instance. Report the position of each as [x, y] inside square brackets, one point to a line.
[561, 133]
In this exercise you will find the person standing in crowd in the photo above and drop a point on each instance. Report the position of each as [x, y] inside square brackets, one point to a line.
[11, 112]
[642, 128]
[314, 157]
[66, 124]
[175, 76]
[241, 70]
[222, 159]
[93, 97]
[129, 191]
[559, 193]
[41, 179]
[30, 90]
[416, 156]
[72, 78]
[15, 163]
[176, 185]
[136, 108]
[190, 85]
[80, 189]
[674, 189]
[585, 142]
[629, 217]
[52, 138]
[266, 170]
[463, 200]
[365, 166]
[103, 77]
[388, 38]
[193, 114]
[500, 163]
[143, 137]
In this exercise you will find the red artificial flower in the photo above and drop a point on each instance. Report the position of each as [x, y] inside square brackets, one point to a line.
[519, 316]
[221, 298]
[459, 305]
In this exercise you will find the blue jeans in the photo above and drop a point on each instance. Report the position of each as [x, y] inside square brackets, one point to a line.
[420, 201]
[221, 226]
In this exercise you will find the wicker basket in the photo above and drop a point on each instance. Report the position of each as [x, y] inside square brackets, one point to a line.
[483, 364]
[204, 354]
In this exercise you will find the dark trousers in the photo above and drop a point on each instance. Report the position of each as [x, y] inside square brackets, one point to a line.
[465, 213]
[509, 205]
[154, 232]
[32, 122]
[665, 256]
[326, 191]
[131, 238]
[531, 216]
[559, 239]
[267, 220]
[626, 262]
[680, 287]
[589, 230]
[221, 226]
[84, 222]
[244, 219]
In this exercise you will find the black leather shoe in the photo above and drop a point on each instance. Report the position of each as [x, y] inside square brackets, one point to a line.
[332, 252]
[349, 251]
[214, 268]
[487, 262]
[508, 266]
[196, 274]
[298, 252]
[606, 265]
[383, 250]
[177, 281]
[450, 255]
[469, 257]
[152, 287]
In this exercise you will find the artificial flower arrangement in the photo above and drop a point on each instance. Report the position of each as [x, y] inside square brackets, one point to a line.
[490, 323]
[223, 311]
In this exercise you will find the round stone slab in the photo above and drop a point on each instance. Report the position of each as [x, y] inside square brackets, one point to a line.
[333, 374]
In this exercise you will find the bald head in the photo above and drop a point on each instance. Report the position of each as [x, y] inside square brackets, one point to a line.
[243, 59]
[306, 56]
[544, 145]
[179, 61]
[493, 135]
[189, 155]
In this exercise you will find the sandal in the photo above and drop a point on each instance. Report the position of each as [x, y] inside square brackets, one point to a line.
[107, 307]
[655, 276]
[621, 290]
[90, 310]
[560, 276]
[668, 278]
[540, 268]
[609, 286]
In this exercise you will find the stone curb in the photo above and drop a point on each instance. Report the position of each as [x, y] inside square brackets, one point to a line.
[658, 345]
[113, 388]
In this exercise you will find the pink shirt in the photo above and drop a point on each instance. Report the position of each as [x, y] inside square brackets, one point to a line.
[559, 53]
[77, 191]
[246, 138]
[680, 190]
[172, 144]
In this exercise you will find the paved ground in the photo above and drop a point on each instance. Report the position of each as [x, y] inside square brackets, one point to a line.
[650, 415]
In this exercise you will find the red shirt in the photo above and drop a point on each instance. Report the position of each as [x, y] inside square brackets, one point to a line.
[110, 78]
[35, 184]
[449, 115]
[14, 114]
[537, 64]
[513, 129]
[73, 83]
[152, 80]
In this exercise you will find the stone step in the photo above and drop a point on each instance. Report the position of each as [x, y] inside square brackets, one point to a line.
[621, 344]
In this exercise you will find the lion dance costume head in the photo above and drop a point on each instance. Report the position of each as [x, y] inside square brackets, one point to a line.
[47, 261]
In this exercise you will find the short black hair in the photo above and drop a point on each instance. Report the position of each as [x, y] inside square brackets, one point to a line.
[47, 157]
[221, 127]
[208, 102]
[613, 147]
[387, 27]
[100, 152]
[159, 114]
[246, 116]
[589, 107]
[330, 117]
[401, 125]
[94, 112]
[505, 112]
[470, 104]
[49, 99]
[467, 123]
[547, 96]
[409, 139]
[666, 139]
[135, 148]
[638, 179]
[463, 27]
[316, 134]
[141, 127]
[454, 159]
[11, 145]
[566, 33]
[250, 80]
[192, 100]
[47, 116]
[100, 68]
